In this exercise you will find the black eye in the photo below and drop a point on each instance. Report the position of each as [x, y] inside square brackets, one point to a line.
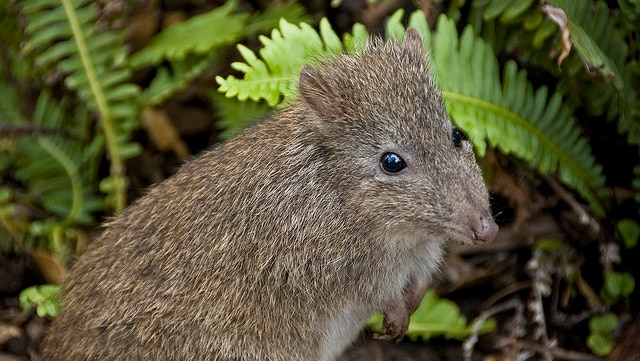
[456, 136]
[392, 163]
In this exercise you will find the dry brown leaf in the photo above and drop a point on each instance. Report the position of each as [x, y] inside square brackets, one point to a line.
[8, 332]
[559, 17]
[50, 265]
[588, 293]
[142, 25]
[163, 133]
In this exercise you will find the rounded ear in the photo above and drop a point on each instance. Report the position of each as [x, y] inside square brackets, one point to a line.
[413, 40]
[315, 90]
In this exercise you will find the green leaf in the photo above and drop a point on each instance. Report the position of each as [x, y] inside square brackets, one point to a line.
[600, 344]
[603, 52]
[45, 298]
[629, 231]
[516, 10]
[394, 28]
[618, 284]
[273, 76]
[603, 323]
[594, 57]
[50, 165]
[495, 8]
[199, 35]
[600, 339]
[130, 150]
[630, 9]
[9, 112]
[173, 78]
[65, 37]
[628, 284]
[418, 21]
[267, 20]
[331, 40]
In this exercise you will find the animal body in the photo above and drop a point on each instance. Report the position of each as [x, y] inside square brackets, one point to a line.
[280, 243]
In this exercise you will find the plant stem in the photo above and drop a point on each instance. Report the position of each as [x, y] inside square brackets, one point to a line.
[117, 169]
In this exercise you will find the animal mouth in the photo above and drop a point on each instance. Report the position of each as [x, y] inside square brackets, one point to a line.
[481, 240]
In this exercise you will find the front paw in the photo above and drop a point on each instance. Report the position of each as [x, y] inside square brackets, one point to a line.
[396, 316]
[395, 325]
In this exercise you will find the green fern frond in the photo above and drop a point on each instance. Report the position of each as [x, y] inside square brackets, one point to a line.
[265, 21]
[174, 77]
[48, 156]
[64, 36]
[272, 77]
[73, 154]
[504, 10]
[53, 166]
[194, 46]
[603, 50]
[199, 35]
[595, 38]
[596, 75]
[630, 10]
[9, 112]
[512, 27]
[203, 34]
[395, 29]
[509, 114]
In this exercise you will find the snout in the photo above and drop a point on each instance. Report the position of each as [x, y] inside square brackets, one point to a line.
[484, 229]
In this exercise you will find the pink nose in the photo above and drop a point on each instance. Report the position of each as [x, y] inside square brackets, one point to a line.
[484, 230]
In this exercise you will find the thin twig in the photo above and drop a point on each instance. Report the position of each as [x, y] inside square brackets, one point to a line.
[583, 216]
[512, 288]
[19, 130]
[557, 352]
[471, 341]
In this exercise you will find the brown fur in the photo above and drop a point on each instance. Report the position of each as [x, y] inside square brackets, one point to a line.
[278, 244]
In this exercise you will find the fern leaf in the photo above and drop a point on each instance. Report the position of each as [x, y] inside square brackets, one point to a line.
[192, 47]
[592, 35]
[64, 36]
[505, 10]
[269, 19]
[510, 114]
[199, 35]
[173, 77]
[51, 167]
[630, 9]
[9, 113]
[602, 50]
[495, 8]
[273, 76]
[596, 76]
